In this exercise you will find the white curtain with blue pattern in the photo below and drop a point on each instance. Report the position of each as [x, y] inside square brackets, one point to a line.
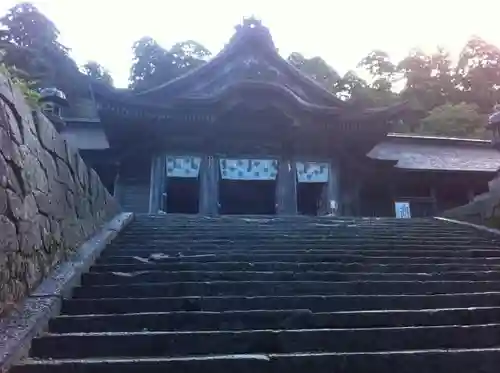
[312, 172]
[248, 169]
[183, 166]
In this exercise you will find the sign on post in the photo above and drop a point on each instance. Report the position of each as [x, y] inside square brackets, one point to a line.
[402, 210]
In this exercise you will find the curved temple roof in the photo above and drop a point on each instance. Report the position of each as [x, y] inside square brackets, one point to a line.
[250, 65]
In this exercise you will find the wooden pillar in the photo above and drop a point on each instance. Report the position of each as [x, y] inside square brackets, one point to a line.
[209, 186]
[286, 188]
[157, 188]
[333, 190]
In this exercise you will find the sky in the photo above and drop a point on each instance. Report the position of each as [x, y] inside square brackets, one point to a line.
[342, 32]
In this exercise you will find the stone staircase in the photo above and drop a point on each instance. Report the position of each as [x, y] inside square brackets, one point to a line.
[187, 294]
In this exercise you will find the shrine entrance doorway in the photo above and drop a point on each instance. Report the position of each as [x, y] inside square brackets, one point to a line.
[248, 186]
[312, 187]
[182, 187]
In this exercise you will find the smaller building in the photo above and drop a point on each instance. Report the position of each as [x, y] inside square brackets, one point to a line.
[247, 133]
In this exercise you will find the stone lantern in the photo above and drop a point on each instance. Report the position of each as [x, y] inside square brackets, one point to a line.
[52, 100]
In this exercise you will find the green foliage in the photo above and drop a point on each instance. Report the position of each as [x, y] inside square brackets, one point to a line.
[29, 43]
[459, 120]
[153, 65]
[97, 72]
[316, 68]
[380, 67]
[25, 86]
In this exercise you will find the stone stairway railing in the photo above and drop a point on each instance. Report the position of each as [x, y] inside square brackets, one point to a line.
[483, 210]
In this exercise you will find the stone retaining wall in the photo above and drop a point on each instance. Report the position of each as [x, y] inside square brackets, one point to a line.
[50, 201]
[483, 210]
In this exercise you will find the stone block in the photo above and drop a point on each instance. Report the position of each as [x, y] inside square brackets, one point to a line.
[9, 121]
[15, 204]
[8, 238]
[64, 174]
[43, 224]
[3, 201]
[5, 88]
[83, 174]
[24, 111]
[71, 156]
[13, 181]
[49, 165]
[30, 238]
[55, 230]
[49, 137]
[43, 202]
[6, 144]
[33, 173]
[4, 172]
[22, 208]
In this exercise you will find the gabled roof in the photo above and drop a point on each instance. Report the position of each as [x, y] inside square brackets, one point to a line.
[415, 152]
[252, 57]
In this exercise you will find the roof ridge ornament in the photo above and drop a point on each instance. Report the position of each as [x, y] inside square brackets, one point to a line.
[251, 22]
[253, 27]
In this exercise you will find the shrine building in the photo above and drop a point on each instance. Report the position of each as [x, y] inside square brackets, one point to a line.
[248, 133]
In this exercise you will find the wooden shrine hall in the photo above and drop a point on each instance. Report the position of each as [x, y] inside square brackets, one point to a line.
[248, 133]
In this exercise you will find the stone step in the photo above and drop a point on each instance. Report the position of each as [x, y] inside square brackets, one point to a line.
[148, 344]
[254, 288]
[186, 294]
[291, 226]
[303, 224]
[249, 246]
[314, 303]
[300, 230]
[408, 267]
[324, 240]
[296, 232]
[256, 258]
[436, 253]
[111, 278]
[270, 319]
[435, 361]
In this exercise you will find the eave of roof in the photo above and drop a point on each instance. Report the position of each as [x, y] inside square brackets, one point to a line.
[444, 139]
[438, 154]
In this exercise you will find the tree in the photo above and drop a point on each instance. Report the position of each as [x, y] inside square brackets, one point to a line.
[351, 87]
[97, 72]
[30, 44]
[460, 120]
[380, 67]
[316, 68]
[478, 72]
[428, 79]
[154, 65]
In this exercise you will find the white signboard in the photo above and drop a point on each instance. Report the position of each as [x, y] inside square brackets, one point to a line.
[402, 210]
